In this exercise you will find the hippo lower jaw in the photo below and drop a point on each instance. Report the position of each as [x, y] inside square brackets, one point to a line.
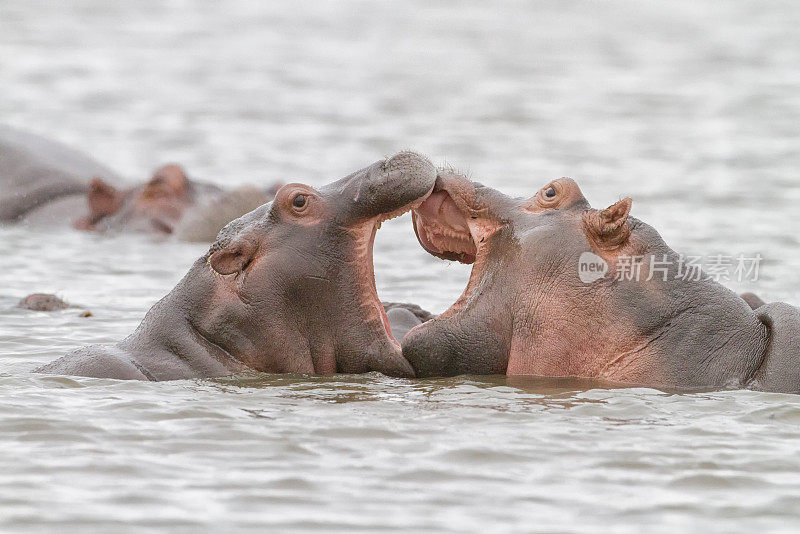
[458, 223]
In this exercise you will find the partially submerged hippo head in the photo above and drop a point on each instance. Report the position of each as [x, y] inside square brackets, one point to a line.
[287, 288]
[530, 307]
[157, 206]
[43, 302]
[161, 202]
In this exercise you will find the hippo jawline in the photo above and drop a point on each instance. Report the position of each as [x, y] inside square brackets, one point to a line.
[449, 227]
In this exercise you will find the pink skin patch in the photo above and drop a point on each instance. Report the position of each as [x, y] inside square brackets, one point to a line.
[447, 231]
[443, 230]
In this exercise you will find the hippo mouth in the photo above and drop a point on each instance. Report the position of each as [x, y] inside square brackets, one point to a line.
[372, 300]
[442, 228]
[452, 225]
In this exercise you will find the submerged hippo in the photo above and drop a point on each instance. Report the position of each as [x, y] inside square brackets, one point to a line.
[46, 183]
[527, 310]
[287, 288]
[46, 302]
[169, 204]
[42, 179]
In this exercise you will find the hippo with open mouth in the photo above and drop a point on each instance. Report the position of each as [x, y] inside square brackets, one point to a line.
[287, 288]
[526, 309]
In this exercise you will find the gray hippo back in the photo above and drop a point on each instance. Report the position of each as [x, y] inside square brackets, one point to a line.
[34, 171]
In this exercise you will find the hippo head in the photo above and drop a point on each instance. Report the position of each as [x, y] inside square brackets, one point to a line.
[155, 207]
[43, 302]
[525, 277]
[289, 287]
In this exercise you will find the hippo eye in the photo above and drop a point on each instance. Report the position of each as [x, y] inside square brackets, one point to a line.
[299, 201]
[550, 192]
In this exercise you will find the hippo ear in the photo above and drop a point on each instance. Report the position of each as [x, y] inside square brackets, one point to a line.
[104, 199]
[609, 229]
[234, 258]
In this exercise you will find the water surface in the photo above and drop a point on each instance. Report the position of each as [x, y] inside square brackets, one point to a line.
[692, 109]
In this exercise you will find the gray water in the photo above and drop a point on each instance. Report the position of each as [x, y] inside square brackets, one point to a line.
[691, 108]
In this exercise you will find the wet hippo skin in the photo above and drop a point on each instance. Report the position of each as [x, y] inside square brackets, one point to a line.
[526, 310]
[287, 288]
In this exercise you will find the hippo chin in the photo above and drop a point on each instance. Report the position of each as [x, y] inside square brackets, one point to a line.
[287, 288]
[526, 309]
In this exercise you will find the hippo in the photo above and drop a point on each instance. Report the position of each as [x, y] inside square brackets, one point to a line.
[42, 179]
[44, 183]
[169, 204]
[45, 302]
[286, 288]
[535, 306]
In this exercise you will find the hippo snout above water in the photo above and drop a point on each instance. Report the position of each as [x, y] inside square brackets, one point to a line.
[287, 288]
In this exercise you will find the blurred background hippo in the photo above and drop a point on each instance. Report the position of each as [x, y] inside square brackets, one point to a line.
[287, 288]
[48, 302]
[169, 204]
[43, 302]
[43, 180]
[531, 308]
[47, 183]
